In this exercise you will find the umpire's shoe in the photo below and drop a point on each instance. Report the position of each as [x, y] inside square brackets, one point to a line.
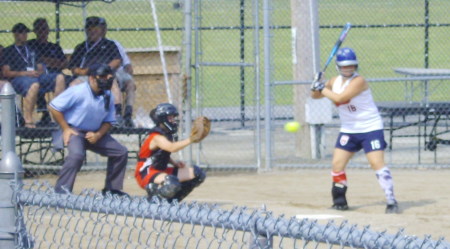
[338, 192]
[392, 208]
[114, 192]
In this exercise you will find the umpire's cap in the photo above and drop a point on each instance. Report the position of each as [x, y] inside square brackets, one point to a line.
[20, 28]
[94, 21]
[101, 70]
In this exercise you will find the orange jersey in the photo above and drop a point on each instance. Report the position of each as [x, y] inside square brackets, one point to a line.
[152, 162]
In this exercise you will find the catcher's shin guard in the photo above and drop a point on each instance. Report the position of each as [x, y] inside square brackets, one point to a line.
[152, 191]
[338, 192]
[188, 186]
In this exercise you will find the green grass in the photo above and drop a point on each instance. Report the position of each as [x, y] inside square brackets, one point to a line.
[379, 49]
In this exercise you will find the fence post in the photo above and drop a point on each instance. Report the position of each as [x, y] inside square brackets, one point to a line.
[10, 169]
[267, 12]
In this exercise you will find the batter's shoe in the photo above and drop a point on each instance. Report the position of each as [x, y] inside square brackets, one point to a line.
[338, 192]
[340, 207]
[392, 208]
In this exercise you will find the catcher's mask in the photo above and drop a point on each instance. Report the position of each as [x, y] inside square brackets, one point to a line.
[162, 112]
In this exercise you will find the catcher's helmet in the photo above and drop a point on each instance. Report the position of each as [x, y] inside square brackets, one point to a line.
[346, 57]
[162, 111]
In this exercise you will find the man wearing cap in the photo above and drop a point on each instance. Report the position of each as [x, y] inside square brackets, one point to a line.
[28, 77]
[85, 113]
[95, 49]
[49, 54]
[2, 81]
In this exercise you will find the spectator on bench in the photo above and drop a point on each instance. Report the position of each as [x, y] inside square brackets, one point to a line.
[48, 54]
[96, 49]
[126, 84]
[2, 80]
[28, 77]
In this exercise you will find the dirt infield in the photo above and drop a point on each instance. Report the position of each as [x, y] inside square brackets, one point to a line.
[423, 196]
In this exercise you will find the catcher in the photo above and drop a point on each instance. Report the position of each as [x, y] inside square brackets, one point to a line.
[152, 170]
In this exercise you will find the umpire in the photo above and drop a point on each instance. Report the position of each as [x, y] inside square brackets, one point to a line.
[85, 113]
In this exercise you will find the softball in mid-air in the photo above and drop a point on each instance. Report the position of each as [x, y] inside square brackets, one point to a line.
[292, 126]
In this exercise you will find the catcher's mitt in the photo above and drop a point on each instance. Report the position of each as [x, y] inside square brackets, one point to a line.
[200, 129]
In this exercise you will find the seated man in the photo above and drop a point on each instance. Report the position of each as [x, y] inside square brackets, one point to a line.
[96, 49]
[48, 54]
[27, 77]
[126, 84]
[2, 80]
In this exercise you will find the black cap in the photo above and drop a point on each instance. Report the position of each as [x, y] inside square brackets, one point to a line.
[98, 69]
[94, 21]
[20, 28]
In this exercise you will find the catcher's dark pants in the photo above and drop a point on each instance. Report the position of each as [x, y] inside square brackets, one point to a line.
[107, 146]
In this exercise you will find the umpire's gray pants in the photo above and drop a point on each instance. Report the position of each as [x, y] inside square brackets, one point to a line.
[107, 146]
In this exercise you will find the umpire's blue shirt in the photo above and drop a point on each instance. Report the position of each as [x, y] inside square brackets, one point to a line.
[82, 109]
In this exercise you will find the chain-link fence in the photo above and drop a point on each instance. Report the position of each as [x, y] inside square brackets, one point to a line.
[226, 85]
[54, 43]
[394, 41]
[243, 57]
[400, 49]
[91, 220]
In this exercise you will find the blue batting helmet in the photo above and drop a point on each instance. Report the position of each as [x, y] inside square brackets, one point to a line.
[346, 57]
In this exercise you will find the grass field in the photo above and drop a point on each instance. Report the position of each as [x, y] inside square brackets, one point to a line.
[380, 49]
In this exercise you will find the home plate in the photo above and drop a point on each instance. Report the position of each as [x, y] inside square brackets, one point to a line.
[318, 216]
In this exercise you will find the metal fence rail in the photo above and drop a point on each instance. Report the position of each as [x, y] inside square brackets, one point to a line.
[91, 220]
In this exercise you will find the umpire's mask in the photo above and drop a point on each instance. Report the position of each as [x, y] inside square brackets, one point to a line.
[103, 75]
[104, 84]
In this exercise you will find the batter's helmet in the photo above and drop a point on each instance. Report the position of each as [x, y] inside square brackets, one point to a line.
[346, 57]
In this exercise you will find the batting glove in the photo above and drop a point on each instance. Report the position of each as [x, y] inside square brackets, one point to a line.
[317, 84]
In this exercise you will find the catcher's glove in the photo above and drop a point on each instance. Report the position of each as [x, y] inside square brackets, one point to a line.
[200, 129]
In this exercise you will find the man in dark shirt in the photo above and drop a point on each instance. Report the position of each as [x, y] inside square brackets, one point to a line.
[95, 49]
[48, 54]
[28, 77]
[2, 81]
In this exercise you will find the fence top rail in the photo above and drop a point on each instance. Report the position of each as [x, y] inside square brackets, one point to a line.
[374, 80]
